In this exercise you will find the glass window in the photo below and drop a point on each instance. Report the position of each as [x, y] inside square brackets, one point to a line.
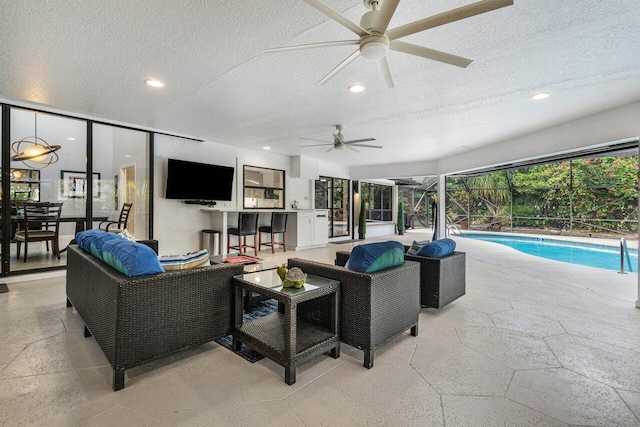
[263, 188]
[378, 201]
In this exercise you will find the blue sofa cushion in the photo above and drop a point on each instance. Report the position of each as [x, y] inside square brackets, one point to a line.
[85, 238]
[376, 256]
[438, 248]
[98, 241]
[131, 258]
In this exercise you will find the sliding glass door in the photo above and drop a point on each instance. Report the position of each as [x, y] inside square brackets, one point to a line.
[57, 159]
[333, 194]
[47, 165]
[121, 164]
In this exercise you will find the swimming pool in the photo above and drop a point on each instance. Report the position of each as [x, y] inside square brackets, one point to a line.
[561, 250]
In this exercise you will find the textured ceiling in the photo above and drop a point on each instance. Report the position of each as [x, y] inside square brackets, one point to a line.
[91, 57]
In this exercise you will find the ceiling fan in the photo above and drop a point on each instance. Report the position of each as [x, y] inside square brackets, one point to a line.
[375, 40]
[339, 143]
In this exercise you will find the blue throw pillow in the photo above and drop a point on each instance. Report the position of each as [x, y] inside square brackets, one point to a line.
[97, 243]
[131, 258]
[376, 256]
[438, 248]
[84, 238]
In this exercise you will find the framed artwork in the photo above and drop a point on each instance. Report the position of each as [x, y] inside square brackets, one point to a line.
[73, 185]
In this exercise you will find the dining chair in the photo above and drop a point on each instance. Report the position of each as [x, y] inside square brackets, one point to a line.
[40, 223]
[278, 226]
[121, 223]
[247, 226]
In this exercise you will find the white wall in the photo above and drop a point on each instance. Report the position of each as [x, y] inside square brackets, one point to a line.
[597, 129]
[178, 226]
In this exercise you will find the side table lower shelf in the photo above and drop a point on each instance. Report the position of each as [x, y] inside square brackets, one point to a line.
[287, 338]
[267, 334]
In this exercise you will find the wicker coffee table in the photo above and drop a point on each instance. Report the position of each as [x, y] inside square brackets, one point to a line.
[307, 328]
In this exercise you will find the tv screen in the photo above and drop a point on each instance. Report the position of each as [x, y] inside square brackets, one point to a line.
[198, 181]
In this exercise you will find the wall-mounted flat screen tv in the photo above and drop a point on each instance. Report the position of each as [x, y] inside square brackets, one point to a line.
[198, 181]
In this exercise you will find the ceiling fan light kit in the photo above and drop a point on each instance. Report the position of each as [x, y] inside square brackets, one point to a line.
[375, 40]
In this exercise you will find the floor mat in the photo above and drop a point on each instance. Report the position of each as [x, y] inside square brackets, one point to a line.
[259, 310]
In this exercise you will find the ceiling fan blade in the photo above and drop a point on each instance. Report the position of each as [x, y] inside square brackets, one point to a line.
[436, 55]
[385, 72]
[368, 146]
[319, 140]
[447, 17]
[311, 45]
[314, 145]
[384, 16]
[353, 141]
[317, 4]
[351, 148]
[339, 68]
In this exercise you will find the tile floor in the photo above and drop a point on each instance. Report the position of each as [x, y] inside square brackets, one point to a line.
[532, 343]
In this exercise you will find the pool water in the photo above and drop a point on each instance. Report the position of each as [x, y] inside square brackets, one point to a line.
[561, 250]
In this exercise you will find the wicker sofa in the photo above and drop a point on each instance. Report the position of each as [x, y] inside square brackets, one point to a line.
[138, 319]
[442, 280]
[374, 307]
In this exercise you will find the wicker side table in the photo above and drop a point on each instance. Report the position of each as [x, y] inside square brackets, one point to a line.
[307, 328]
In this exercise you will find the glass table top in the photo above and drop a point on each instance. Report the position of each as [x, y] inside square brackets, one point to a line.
[258, 265]
[269, 279]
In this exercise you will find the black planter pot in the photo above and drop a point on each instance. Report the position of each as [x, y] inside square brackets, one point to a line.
[360, 236]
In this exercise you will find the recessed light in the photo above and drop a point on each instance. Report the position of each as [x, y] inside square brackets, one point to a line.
[71, 138]
[127, 155]
[541, 95]
[154, 83]
[357, 88]
[266, 148]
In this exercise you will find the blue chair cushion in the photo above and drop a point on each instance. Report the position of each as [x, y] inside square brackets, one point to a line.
[97, 243]
[131, 258]
[438, 248]
[376, 256]
[85, 238]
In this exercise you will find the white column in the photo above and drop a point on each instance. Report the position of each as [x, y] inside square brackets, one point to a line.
[638, 188]
[442, 215]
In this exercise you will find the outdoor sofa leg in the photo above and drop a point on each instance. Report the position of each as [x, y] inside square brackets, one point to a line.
[414, 330]
[87, 332]
[69, 303]
[290, 374]
[368, 359]
[335, 351]
[118, 379]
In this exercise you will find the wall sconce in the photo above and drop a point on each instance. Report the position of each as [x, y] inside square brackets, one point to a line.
[35, 152]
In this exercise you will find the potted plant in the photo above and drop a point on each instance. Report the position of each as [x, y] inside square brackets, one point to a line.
[362, 221]
[400, 219]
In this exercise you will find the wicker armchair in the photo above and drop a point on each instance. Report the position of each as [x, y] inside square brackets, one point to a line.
[442, 280]
[374, 307]
[139, 319]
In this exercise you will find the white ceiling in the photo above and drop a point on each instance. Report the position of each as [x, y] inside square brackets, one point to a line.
[91, 57]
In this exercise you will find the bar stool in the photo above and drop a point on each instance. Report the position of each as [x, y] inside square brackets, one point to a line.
[278, 225]
[247, 226]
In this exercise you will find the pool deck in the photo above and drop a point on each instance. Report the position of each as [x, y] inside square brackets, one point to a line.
[534, 342]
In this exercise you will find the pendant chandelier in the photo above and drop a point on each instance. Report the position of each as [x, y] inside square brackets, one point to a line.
[35, 152]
